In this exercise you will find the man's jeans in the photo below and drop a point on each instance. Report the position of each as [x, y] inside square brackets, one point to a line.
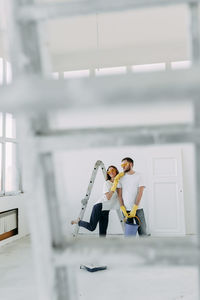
[142, 227]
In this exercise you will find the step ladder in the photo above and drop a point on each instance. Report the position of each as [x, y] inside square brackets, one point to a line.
[84, 201]
[30, 96]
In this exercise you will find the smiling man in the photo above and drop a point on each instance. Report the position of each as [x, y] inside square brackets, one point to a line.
[130, 194]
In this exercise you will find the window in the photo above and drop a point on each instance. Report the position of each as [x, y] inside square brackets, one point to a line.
[149, 67]
[10, 183]
[175, 65]
[77, 74]
[110, 71]
[1, 71]
[5, 72]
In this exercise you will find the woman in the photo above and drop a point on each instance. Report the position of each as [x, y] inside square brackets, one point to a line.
[109, 200]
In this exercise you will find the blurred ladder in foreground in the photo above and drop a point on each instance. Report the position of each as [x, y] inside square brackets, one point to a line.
[31, 95]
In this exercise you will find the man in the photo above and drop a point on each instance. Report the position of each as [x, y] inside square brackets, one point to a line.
[130, 195]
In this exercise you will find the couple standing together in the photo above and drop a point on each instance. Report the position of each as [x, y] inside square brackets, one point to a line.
[122, 190]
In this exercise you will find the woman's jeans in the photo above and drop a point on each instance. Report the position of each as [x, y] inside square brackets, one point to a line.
[97, 216]
[142, 227]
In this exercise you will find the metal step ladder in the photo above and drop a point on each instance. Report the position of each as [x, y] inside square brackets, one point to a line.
[30, 96]
[84, 201]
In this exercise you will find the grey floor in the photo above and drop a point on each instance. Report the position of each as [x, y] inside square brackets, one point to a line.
[147, 283]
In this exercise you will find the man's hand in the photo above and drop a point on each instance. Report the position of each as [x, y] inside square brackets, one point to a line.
[114, 186]
[133, 211]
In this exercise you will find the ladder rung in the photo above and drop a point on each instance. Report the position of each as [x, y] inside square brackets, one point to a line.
[40, 12]
[47, 95]
[146, 135]
[139, 251]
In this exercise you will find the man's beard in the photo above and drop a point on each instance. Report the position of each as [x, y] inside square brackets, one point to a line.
[127, 170]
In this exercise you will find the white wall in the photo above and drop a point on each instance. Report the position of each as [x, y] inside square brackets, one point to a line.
[140, 36]
[74, 169]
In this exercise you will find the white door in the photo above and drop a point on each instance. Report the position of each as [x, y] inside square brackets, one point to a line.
[165, 191]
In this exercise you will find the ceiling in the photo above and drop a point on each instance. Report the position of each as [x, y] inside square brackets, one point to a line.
[115, 39]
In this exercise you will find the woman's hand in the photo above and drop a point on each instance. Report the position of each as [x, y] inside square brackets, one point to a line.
[118, 176]
[116, 180]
